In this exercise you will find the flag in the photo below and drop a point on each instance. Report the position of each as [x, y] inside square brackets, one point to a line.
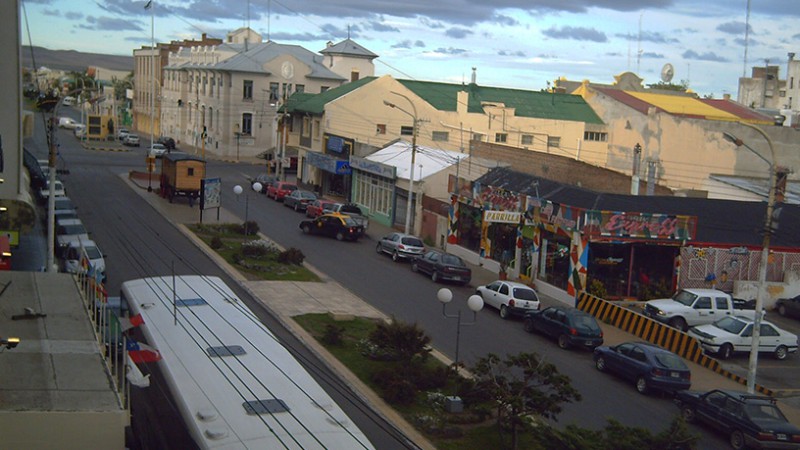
[142, 353]
[126, 323]
[148, 5]
[134, 375]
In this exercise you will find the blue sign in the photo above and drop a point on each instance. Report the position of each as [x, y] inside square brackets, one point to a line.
[343, 168]
[335, 144]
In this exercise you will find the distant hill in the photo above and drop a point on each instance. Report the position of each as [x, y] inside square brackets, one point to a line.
[71, 60]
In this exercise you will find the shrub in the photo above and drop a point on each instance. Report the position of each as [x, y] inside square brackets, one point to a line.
[257, 248]
[291, 256]
[396, 388]
[251, 226]
[401, 341]
[333, 334]
[426, 377]
[216, 243]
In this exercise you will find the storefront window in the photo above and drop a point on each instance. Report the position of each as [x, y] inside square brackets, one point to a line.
[555, 262]
[503, 237]
[469, 227]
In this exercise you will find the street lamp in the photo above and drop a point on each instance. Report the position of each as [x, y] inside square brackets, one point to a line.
[474, 302]
[238, 190]
[408, 229]
[762, 275]
[238, 135]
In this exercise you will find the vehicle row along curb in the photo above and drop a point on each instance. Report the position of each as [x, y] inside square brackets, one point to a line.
[657, 333]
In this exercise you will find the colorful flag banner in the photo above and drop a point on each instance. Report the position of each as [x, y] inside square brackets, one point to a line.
[134, 375]
[142, 353]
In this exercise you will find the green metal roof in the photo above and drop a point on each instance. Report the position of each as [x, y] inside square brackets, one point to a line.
[535, 104]
[315, 103]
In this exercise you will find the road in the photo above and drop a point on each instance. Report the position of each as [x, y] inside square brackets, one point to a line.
[139, 243]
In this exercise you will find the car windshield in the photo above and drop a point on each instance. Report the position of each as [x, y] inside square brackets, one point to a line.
[64, 204]
[452, 260]
[350, 222]
[307, 195]
[352, 209]
[525, 294]
[93, 253]
[684, 297]
[763, 411]
[412, 241]
[289, 187]
[72, 229]
[730, 325]
[670, 361]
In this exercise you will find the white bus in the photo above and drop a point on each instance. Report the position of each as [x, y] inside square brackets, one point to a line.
[235, 385]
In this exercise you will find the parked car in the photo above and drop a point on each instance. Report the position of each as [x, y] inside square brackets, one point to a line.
[66, 122]
[280, 189]
[748, 420]
[730, 335]
[510, 297]
[68, 101]
[789, 307]
[69, 231]
[167, 142]
[319, 207]
[58, 190]
[121, 133]
[401, 246]
[299, 199]
[570, 326]
[71, 255]
[334, 225]
[648, 365]
[131, 140]
[79, 131]
[266, 181]
[691, 307]
[158, 150]
[442, 267]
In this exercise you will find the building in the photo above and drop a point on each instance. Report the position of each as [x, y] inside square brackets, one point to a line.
[225, 98]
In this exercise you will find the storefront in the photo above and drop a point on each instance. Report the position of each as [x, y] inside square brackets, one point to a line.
[374, 188]
[333, 174]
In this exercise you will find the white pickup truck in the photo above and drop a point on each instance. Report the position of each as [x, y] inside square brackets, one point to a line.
[691, 307]
[353, 211]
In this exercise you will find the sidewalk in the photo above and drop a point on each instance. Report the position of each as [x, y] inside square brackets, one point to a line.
[281, 299]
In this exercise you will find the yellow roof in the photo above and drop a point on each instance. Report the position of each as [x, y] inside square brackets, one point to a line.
[676, 104]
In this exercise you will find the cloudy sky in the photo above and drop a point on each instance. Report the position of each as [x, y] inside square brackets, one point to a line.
[512, 43]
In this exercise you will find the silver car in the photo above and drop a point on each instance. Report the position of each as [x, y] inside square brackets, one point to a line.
[401, 246]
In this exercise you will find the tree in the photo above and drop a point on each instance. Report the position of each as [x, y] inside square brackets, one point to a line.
[521, 386]
[616, 436]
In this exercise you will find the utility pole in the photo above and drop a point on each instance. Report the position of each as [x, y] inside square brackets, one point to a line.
[51, 199]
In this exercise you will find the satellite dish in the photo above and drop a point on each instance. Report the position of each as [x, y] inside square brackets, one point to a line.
[667, 72]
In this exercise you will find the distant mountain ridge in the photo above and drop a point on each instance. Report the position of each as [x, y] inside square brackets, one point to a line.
[71, 60]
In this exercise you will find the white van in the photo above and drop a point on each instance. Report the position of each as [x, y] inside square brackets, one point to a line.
[68, 101]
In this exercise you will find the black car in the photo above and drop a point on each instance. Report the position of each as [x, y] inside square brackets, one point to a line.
[748, 420]
[266, 181]
[334, 225]
[570, 326]
[789, 307]
[442, 266]
[647, 365]
[167, 142]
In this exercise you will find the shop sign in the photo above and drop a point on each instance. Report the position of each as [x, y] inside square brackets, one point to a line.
[502, 217]
[547, 212]
[640, 225]
[321, 161]
[343, 168]
[497, 198]
[373, 167]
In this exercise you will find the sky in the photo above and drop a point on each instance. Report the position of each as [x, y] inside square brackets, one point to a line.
[523, 44]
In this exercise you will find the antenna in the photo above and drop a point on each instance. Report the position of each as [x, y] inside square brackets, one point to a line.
[667, 72]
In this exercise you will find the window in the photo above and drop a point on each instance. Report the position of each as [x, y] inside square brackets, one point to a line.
[406, 131]
[703, 303]
[501, 138]
[300, 88]
[441, 136]
[477, 137]
[324, 89]
[190, 171]
[527, 139]
[503, 289]
[247, 124]
[211, 117]
[354, 76]
[317, 127]
[554, 141]
[273, 92]
[381, 128]
[247, 90]
[211, 87]
[595, 136]
[722, 302]
[767, 330]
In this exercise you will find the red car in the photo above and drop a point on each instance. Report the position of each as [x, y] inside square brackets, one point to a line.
[281, 189]
[319, 207]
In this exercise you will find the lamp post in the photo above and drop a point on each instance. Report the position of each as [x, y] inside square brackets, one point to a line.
[238, 190]
[474, 302]
[408, 228]
[762, 275]
[238, 135]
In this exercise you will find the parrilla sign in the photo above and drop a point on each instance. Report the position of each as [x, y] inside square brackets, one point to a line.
[640, 225]
[502, 217]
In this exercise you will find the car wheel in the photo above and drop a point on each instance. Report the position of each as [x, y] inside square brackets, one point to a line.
[339, 236]
[781, 352]
[528, 325]
[306, 229]
[726, 351]
[378, 249]
[563, 341]
[782, 310]
[414, 267]
[600, 364]
[737, 440]
[688, 414]
[641, 385]
[679, 323]
[504, 312]
[435, 276]
[395, 256]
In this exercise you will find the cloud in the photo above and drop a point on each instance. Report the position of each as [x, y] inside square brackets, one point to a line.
[707, 56]
[53, 13]
[502, 19]
[109, 23]
[378, 26]
[518, 53]
[647, 36]
[303, 37]
[73, 15]
[450, 51]
[433, 24]
[458, 33]
[736, 28]
[408, 44]
[341, 33]
[740, 41]
[652, 55]
[576, 33]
